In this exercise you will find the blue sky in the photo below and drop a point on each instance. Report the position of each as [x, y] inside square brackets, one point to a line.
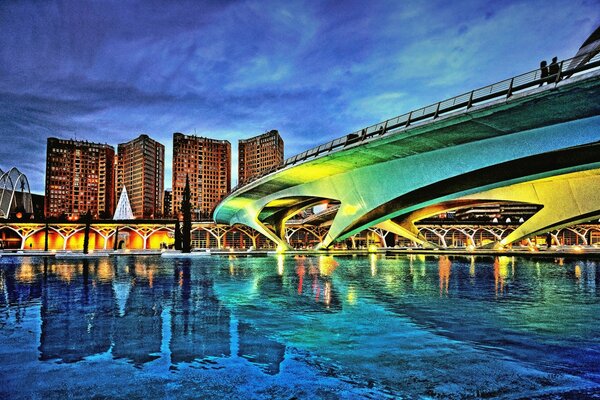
[108, 71]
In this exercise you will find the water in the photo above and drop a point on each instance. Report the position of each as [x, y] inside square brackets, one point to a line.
[303, 327]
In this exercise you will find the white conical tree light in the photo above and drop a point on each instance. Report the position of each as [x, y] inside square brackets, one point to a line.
[123, 210]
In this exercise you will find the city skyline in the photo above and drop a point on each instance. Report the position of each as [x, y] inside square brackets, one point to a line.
[228, 71]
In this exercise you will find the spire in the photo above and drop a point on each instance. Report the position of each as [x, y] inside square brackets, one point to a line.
[123, 210]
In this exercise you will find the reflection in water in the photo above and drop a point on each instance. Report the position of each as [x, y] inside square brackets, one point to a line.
[199, 322]
[280, 264]
[500, 274]
[410, 324]
[254, 347]
[373, 259]
[138, 327]
[77, 314]
[472, 267]
[94, 307]
[444, 265]
[300, 271]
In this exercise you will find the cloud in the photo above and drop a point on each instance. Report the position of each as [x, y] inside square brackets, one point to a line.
[109, 71]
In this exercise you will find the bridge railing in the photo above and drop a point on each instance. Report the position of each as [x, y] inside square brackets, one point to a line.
[503, 89]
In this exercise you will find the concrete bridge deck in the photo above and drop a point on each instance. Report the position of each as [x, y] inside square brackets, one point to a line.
[538, 145]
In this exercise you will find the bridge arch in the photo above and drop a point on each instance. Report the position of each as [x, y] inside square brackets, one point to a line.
[481, 153]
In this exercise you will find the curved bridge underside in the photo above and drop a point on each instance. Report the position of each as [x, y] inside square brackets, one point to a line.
[541, 147]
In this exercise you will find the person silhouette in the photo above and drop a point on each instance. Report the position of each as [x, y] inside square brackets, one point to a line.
[553, 70]
[544, 72]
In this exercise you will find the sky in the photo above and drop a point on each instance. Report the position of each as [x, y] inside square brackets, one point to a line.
[108, 71]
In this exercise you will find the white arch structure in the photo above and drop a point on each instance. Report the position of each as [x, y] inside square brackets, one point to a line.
[106, 230]
[14, 186]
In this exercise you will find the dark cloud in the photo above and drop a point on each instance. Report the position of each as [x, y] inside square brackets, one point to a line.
[108, 71]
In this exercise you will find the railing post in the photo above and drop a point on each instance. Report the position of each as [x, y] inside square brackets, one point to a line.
[384, 128]
[470, 102]
[510, 88]
[437, 110]
[408, 120]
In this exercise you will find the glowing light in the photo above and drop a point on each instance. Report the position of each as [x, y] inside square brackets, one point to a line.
[577, 271]
[349, 209]
[280, 248]
[577, 249]
[444, 269]
[25, 273]
[327, 293]
[105, 271]
[372, 248]
[351, 297]
[373, 259]
[280, 264]
[327, 265]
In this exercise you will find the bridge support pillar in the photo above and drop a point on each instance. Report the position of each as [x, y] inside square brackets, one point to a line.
[407, 230]
[282, 245]
[345, 217]
[566, 199]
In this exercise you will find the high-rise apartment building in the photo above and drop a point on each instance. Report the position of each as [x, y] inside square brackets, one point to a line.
[79, 178]
[207, 163]
[141, 169]
[168, 201]
[259, 154]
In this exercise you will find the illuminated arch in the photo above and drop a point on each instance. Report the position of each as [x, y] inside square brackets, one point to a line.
[14, 186]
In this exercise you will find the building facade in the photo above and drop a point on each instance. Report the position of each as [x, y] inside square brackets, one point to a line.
[141, 169]
[258, 154]
[168, 204]
[79, 178]
[207, 163]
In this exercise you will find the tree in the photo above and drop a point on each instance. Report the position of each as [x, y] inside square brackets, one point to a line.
[177, 235]
[186, 209]
[86, 236]
[116, 244]
[46, 237]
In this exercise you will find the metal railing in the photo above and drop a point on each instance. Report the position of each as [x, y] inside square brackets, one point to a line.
[503, 89]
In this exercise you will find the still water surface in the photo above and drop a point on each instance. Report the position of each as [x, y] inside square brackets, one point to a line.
[303, 327]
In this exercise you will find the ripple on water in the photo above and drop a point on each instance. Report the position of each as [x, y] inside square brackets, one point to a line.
[310, 327]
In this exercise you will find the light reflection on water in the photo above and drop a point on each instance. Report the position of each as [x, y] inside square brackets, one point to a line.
[299, 326]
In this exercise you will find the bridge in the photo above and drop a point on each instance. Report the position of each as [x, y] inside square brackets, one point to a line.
[528, 139]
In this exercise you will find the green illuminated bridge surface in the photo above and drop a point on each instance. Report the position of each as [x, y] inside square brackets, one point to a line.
[514, 141]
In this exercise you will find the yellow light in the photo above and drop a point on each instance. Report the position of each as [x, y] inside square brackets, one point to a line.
[327, 265]
[351, 296]
[280, 248]
[373, 258]
[349, 209]
[577, 249]
[280, 266]
[25, 273]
